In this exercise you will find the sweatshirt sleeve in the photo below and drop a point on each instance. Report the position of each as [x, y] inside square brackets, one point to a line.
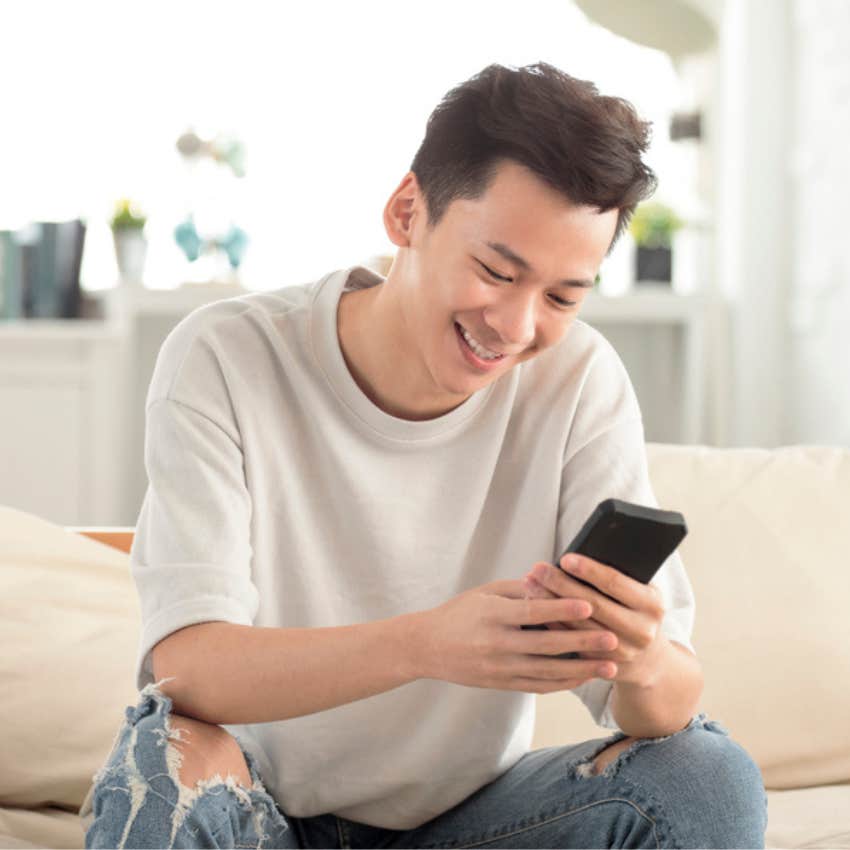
[605, 458]
[191, 554]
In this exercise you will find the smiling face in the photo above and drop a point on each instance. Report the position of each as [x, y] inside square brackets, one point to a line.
[462, 273]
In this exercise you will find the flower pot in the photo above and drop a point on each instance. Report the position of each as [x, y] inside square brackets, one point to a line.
[654, 264]
[130, 251]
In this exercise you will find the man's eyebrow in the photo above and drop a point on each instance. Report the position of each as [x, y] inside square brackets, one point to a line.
[514, 258]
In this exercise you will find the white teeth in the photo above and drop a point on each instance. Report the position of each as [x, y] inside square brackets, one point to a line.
[479, 349]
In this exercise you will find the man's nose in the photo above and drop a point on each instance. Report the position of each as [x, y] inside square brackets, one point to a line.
[513, 322]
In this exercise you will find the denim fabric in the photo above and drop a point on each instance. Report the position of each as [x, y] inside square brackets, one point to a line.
[695, 788]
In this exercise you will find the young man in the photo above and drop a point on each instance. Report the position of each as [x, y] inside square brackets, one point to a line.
[348, 481]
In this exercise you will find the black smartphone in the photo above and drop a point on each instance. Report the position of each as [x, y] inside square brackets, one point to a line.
[635, 539]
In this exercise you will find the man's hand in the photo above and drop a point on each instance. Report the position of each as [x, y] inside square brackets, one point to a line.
[476, 639]
[629, 608]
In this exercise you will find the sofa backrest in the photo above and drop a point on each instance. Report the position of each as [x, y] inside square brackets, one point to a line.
[768, 555]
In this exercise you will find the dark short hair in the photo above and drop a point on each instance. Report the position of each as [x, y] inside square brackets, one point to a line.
[585, 145]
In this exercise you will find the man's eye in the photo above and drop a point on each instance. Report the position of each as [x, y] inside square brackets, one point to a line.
[491, 272]
[560, 301]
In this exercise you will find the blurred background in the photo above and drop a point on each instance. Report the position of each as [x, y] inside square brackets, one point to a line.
[154, 158]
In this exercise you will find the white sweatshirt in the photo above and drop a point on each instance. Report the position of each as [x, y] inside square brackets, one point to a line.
[280, 495]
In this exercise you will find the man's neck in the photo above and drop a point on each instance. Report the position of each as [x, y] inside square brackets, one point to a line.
[374, 350]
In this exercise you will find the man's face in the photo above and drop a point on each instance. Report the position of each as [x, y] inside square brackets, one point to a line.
[450, 276]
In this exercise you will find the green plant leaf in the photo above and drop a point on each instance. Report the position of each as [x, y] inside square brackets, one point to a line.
[653, 225]
[127, 215]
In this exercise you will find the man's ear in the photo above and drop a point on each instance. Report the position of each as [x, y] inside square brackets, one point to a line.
[402, 209]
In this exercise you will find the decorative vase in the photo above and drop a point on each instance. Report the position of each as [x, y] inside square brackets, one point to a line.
[654, 265]
[130, 251]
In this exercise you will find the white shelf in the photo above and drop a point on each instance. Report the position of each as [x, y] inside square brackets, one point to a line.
[62, 329]
[656, 304]
[123, 300]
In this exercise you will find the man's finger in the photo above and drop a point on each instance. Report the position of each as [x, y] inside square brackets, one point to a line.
[512, 588]
[536, 612]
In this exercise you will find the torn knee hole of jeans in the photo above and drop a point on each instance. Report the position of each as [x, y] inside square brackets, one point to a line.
[188, 797]
[174, 757]
[174, 760]
[587, 768]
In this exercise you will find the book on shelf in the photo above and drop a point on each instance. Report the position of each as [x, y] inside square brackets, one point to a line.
[40, 270]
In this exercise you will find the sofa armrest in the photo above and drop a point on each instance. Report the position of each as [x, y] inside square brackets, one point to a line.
[117, 536]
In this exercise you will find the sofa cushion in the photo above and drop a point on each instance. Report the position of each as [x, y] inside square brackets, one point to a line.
[32, 829]
[767, 554]
[69, 626]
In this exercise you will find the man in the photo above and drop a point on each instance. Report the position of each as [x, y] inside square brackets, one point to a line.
[349, 479]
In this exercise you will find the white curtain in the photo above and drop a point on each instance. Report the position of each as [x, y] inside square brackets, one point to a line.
[819, 309]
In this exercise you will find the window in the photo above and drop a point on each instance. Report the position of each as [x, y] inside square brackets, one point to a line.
[331, 106]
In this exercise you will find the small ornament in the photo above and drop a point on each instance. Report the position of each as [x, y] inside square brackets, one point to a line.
[233, 243]
[222, 148]
[218, 236]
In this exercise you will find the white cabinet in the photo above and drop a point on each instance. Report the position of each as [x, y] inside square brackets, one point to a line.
[62, 427]
[72, 392]
[72, 404]
[660, 337]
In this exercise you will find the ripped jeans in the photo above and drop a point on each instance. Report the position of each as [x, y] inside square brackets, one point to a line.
[695, 788]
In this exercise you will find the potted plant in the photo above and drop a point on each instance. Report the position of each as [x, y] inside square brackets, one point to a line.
[128, 223]
[652, 226]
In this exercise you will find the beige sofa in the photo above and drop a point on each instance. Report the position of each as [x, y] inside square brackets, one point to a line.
[768, 554]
